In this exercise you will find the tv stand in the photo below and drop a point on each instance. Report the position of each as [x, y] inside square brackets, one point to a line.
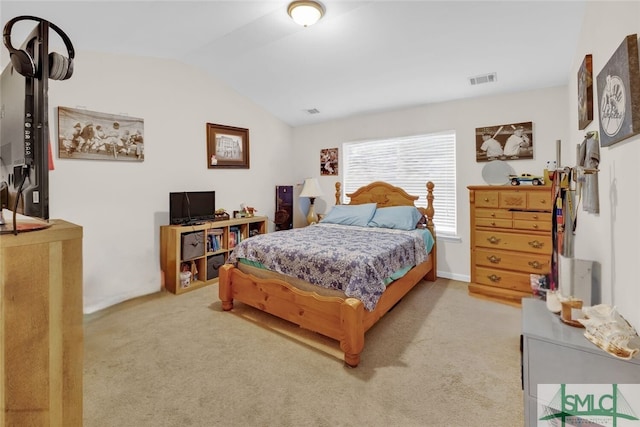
[41, 322]
[204, 265]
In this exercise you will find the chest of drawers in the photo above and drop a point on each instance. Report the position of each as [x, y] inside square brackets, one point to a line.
[510, 239]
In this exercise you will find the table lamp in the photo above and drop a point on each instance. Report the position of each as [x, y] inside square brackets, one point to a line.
[311, 189]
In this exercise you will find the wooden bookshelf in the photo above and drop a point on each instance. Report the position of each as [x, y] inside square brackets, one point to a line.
[202, 249]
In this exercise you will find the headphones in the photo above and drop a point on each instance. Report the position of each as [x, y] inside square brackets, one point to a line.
[60, 67]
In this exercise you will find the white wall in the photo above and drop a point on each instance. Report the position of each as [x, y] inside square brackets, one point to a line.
[610, 237]
[121, 205]
[545, 108]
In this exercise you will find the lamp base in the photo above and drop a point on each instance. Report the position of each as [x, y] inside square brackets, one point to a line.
[312, 218]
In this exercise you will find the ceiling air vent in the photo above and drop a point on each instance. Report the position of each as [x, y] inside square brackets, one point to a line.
[313, 111]
[484, 78]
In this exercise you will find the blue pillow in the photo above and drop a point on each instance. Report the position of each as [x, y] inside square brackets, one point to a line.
[397, 217]
[350, 214]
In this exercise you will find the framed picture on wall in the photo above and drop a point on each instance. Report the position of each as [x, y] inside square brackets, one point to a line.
[585, 92]
[227, 147]
[619, 94]
[513, 141]
[329, 161]
[91, 135]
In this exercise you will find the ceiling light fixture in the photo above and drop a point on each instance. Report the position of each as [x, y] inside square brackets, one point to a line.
[305, 13]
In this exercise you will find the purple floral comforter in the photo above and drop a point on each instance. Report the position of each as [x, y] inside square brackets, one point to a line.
[356, 260]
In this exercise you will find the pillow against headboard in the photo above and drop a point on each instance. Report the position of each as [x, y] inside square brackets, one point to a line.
[396, 217]
[350, 214]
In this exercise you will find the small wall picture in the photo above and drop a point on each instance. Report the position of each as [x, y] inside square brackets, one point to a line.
[619, 94]
[329, 161]
[585, 92]
[90, 135]
[513, 141]
[227, 147]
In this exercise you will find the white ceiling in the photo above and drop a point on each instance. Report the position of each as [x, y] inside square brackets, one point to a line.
[363, 56]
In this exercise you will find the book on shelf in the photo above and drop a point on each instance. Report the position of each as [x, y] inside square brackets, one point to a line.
[234, 236]
[214, 239]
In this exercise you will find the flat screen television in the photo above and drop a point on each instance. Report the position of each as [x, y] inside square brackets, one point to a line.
[24, 131]
[192, 207]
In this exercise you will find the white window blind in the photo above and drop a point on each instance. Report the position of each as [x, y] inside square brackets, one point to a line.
[408, 162]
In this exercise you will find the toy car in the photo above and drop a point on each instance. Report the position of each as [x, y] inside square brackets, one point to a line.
[526, 177]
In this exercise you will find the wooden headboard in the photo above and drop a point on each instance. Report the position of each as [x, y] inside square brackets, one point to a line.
[385, 195]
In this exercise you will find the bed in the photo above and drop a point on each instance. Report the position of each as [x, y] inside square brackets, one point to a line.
[326, 310]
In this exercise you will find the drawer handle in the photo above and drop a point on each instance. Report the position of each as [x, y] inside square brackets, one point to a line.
[493, 239]
[535, 217]
[535, 264]
[493, 215]
[493, 223]
[535, 225]
[494, 259]
[536, 245]
[494, 278]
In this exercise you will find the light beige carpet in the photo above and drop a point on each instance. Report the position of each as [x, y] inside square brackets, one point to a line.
[439, 358]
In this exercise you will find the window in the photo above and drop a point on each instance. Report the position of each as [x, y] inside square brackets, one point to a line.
[408, 162]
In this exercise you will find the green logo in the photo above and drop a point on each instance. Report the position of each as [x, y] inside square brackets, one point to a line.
[587, 404]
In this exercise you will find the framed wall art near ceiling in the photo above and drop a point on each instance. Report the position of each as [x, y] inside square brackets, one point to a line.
[585, 92]
[619, 94]
[227, 147]
[513, 141]
[90, 135]
[329, 161]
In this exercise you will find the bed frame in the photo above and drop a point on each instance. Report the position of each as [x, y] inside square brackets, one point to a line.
[343, 319]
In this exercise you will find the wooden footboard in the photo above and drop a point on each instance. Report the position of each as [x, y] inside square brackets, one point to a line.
[343, 319]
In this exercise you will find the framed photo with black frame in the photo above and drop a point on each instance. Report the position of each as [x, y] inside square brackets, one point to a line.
[227, 147]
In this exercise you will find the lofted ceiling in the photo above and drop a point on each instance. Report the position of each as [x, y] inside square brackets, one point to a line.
[362, 57]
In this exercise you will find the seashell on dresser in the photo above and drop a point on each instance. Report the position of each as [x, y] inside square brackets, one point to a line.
[607, 329]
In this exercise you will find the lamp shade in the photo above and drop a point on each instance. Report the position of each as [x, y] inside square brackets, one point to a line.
[311, 188]
[305, 13]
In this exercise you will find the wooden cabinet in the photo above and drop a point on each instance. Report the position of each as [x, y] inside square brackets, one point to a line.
[41, 348]
[201, 249]
[510, 239]
[556, 353]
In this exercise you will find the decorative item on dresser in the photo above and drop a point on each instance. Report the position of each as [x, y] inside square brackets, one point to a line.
[510, 239]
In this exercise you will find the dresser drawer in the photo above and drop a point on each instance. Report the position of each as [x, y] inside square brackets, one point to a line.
[487, 199]
[532, 225]
[495, 223]
[503, 279]
[513, 241]
[513, 199]
[523, 262]
[539, 200]
[493, 213]
[540, 221]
